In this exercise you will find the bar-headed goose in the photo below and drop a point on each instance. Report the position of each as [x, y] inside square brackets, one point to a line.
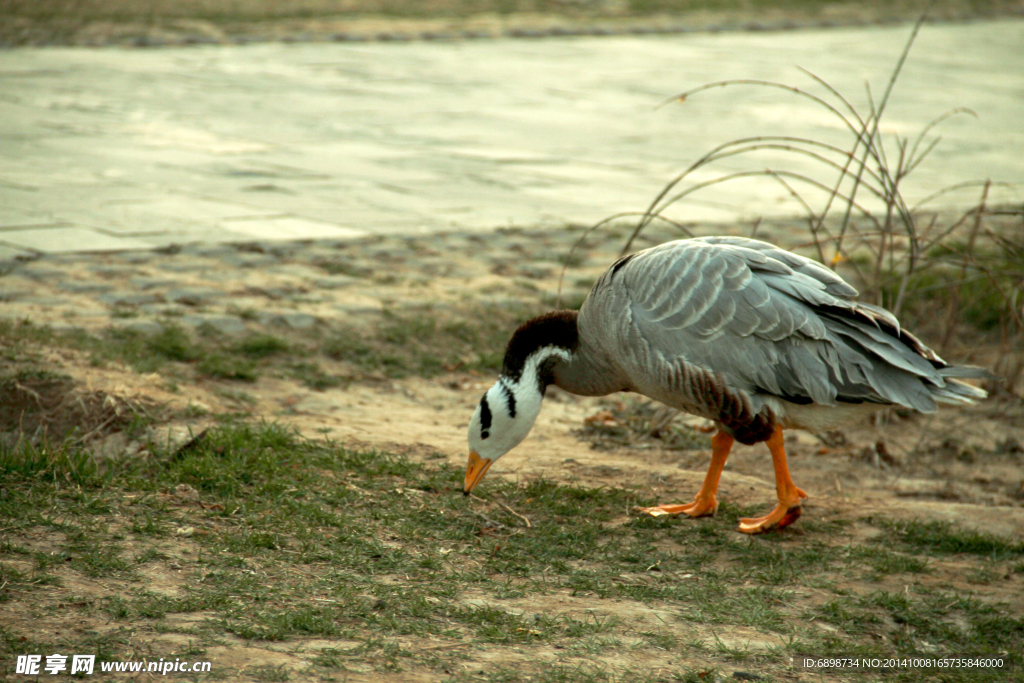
[735, 330]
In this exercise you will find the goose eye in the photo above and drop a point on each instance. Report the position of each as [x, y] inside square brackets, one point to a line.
[484, 434]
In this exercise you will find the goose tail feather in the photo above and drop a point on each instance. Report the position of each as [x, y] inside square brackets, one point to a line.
[958, 392]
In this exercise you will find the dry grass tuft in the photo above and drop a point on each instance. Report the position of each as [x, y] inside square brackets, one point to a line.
[40, 407]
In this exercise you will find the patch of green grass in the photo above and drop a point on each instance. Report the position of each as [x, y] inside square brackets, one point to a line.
[921, 620]
[279, 624]
[426, 342]
[664, 640]
[118, 608]
[271, 674]
[144, 352]
[261, 346]
[944, 538]
[146, 524]
[15, 643]
[45, 462]
[423, 341]
[15, 334]
[779, 563]
[847, 614]
[210, 354]
[225, 366]
[106, 561]
[295, 539]
[342, 266]
[314, 377]
[172, 343]
[883, 561]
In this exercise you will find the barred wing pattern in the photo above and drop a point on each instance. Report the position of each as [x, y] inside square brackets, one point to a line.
[771, 323]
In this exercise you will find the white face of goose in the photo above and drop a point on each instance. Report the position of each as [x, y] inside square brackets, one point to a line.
[505, 415]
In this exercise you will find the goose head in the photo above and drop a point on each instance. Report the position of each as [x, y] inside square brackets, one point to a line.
[507, 410]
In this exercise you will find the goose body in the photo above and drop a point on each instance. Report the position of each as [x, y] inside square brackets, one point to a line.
[753, 337]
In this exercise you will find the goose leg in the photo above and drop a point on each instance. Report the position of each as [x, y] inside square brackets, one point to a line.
[788, 509]
[705, 503]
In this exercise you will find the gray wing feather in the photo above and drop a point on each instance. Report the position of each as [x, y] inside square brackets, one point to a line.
[773, 322]
[889, 348]
[834, 284]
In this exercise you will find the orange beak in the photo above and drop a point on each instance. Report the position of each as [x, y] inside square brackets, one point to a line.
[475, 471]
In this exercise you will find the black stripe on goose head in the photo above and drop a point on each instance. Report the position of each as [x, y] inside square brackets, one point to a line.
[485, 418]
[557, 328]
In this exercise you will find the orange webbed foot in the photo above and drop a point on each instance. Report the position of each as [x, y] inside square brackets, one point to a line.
[784, 514]
[700, 507]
